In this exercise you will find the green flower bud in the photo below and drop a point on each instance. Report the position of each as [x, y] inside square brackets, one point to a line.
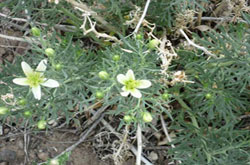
[165, 96]
[116, 57]
[58, 67]
[139, 36]
[27, 114]
[127, 118]
[22, 102]
[41, 124]
[35, 31]
[208, 96]
[153, 43]
[197, 76]
[147, 117]
[99, 95]
[4, 110]
[103, 75]
[50, 52]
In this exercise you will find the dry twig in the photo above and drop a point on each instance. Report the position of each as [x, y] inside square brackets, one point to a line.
[226, 19]
[26, 143]
[165, 130]
[142, 17]
[124, 141]
[132, 148]
[195, 45]
[166, 55]
[92, 29]
[139, 145]
[94, 14]
[21, 39]
[66, 28]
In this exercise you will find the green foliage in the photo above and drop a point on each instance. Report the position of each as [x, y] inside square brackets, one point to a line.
[61, 160]
[204, 115]
[217, 99]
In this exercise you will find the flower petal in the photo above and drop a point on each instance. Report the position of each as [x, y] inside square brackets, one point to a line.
[121, 78]
[37, 92]
[42, 66]
[143, 84]
[130, 75]
[136, 93]
[50, 83]
[20, 81]
[125, 94]
[26, 68]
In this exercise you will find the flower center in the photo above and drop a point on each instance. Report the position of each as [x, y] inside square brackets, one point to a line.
[131, 84]
[34, 79]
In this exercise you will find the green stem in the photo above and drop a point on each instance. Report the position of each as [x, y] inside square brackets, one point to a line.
[73, 79]
[185, 106]
[106, 90]
[77, 22]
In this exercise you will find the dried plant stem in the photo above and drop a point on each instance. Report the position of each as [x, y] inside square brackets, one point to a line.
[26, 143]
[200, 14]
[132, 148]
[195, 45]
[92, 29]
[124, 140]
[1, 129]
[139, 145]
[226, 19]
[165, 130]
[144, 160]
[94, 14]
[21, 39]
[13, 38]
[166, 56]
[14, 19]
[66, 28]
[142, 17]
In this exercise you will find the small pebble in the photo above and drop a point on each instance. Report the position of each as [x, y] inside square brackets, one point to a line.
[43, 156]
[153, 156]
[6, 131]
[7, 155]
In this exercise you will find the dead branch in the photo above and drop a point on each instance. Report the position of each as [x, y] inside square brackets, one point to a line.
[94, 14]
[195, 45]
[139, 145]
[142, 17]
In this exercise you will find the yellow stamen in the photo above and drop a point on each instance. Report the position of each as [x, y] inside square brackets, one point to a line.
[131, 84]
[34, 79]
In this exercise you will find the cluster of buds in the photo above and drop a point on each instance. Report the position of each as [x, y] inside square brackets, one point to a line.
[146, 117]
[53, 1]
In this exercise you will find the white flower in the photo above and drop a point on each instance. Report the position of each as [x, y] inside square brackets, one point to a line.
[131, 85]
[35, 79]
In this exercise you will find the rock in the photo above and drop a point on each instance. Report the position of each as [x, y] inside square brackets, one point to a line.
[7, 156]
[6, 131]
[43, 156]
[153, 156]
